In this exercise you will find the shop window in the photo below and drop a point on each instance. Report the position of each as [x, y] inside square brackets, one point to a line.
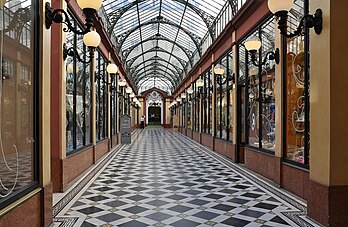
[101, 97]
[78, 95]
[224, 99]
[19, 97]
[260, 101]
[189, 123]
[207, 102]
[297, 92]
[197, 108]
[113, 108]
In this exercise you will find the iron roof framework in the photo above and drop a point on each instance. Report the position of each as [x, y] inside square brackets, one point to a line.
[157, 39]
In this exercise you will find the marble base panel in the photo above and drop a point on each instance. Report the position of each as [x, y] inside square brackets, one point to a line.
[263, 164]
[76, 164]
[101, 149]
[26, 214]
[196, 136]
[208, 141]
[328, 204]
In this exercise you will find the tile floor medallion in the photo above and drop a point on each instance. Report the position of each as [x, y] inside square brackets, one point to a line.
[166, 179]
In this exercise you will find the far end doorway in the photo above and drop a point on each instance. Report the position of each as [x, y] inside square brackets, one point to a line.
[155, 115]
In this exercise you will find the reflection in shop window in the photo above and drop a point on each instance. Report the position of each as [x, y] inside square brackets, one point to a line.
[224, 99]
[18, 153]
[101, 100]
[78, 95]
[261, 100]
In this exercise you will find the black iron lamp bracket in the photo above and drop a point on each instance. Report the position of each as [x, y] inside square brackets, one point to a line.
[62, 17]
[308, 21]
[72, 52]
[271, 55]
[98, 77]
[222, 80]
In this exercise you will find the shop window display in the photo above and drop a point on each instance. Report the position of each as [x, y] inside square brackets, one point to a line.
[297, 92]
[207, 102]
[189, 123]
[224, 99]
[260, 86]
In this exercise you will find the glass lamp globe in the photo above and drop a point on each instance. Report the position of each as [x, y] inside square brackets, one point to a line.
[89, 4]
[200, 83]
[219, 70]
[112, 68]
[183, 95]
[175, 102]
[70, 68]
[253, 43]
[129, 90]
[122, 83]
[178, 99]
[91, 39]
[253, 71]
[280, 5]
[132, 95]
[189, 91]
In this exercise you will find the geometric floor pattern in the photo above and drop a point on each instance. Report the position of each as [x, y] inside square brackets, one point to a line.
[162, 179]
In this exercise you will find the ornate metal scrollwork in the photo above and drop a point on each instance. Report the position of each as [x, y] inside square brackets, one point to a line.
[19, 19]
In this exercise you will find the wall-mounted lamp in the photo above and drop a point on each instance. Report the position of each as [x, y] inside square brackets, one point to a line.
[112, 70]
[70, 68]
[183, 95]
[200, 83]
[129, 90]
[122, 83]
[280, 8]
[253, 45]
[219, 72]
[91, 40]
[189, 91]
[88, 7]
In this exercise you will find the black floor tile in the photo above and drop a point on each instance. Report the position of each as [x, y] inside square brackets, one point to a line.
[236, 222]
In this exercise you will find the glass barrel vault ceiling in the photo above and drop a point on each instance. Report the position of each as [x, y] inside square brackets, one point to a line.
[156, 39]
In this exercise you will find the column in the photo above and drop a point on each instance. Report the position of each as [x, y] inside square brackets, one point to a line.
[328, 200]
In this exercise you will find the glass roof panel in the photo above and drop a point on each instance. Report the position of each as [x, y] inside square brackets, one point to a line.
[184, 22]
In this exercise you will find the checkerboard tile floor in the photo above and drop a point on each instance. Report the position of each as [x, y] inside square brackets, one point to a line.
[162, 179]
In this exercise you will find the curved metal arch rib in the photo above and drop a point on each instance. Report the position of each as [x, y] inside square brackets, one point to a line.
[169, 77]
[160, 78]
[179, 70]
[131, 61]
[175, 73]
[195, 39]
[155, 74]
[208, 19]
[158, 37]
[172, 76]
[175, 77]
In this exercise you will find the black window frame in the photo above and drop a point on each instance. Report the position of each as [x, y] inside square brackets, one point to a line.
[306, 164]
[228, 88]
[101, 97]
[246, 83]
[86, 143]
